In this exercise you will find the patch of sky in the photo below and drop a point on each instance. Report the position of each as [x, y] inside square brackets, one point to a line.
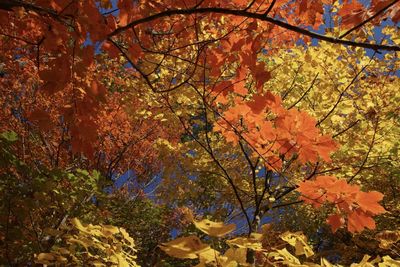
[174, 233]
[130, 179]
[128, 65]
[174, 81]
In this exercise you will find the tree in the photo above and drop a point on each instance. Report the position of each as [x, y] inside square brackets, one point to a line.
[244, 108]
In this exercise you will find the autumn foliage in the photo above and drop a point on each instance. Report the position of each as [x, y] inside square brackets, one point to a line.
[350, 202]
[218, 132]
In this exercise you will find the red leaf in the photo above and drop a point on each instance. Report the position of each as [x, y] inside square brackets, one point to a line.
[111, 49]
[303, 6]
[352, 13]
[135, 51]
[335, 221]
[40, 118]
[97, 90]
[261, 75]
[258, 104]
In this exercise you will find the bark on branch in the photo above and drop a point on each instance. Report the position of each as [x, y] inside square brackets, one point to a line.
[258, 16]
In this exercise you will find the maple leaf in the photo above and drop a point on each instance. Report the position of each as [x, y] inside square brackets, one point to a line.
[217, 229]
[396, 16]
[325, 146]
[261, 75]
[239, 88]
[57, 76]
[185, 247]
[258, 104]
[97, 90]
[308, 154]
[222, 87]
[346, 197]
[335, 221]
[368, 202]
[352, 13]
[303, 6]
[135, 51]
[110, 49]
[358, 220]
[232, 137]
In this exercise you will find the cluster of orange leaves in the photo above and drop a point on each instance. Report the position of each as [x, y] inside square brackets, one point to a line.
[354, 12]
[273, 131]
[350, 202]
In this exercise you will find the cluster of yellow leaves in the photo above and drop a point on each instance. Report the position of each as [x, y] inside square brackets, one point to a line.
[286, 258]
[354, 108]
[96, 245]
[191, 247]
[208, 187]
[299, 242]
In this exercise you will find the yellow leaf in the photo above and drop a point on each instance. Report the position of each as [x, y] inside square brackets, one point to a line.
[84, 242]
[326, 263]
[237, 255]
[78, 225]
[109, 230]
[217, 229]
[252, 242]
[159, 116]
[388, 238]
[127, 237]
[388, 262]
[209, 256]
[336, 119]
[184, 247]
[365, 263]
[45, 258]
[285, 256]
[98, 264]
[299, 241]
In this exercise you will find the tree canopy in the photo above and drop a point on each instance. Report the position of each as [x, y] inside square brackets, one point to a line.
[199, 133]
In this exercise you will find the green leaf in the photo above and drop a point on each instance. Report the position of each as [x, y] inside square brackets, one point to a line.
[10, 136]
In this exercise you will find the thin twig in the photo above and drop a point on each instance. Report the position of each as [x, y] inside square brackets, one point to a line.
[305, 93]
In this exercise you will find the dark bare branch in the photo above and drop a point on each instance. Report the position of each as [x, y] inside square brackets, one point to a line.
[261, 17]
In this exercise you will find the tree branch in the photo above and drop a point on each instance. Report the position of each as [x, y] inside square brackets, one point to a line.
[258, 16]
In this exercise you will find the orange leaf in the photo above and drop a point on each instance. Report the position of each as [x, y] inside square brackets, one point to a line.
[335, 221]
[325, 145]
[368, 202]
[358, 220]
[352, 13]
